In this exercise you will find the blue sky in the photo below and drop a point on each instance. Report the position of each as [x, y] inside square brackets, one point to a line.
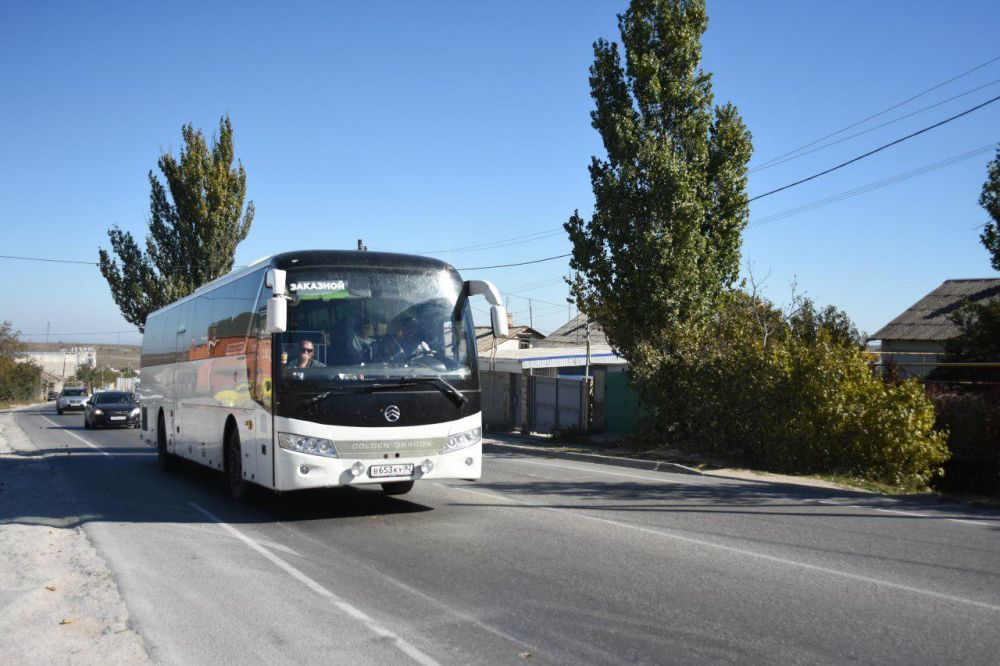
[422, 127]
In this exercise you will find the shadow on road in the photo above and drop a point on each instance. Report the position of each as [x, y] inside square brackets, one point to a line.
[69, 487]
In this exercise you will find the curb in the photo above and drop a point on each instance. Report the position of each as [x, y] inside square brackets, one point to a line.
[634, 463]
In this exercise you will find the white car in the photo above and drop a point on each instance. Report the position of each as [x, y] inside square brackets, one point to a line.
[71, 398]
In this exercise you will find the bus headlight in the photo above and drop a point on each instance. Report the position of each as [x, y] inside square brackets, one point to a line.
[462, 440]
[312, 445]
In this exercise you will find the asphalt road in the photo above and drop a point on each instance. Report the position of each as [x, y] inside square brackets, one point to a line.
[542, 560]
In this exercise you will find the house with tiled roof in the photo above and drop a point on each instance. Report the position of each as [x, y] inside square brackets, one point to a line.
[915, 339]
[575, 332]
[519, 337]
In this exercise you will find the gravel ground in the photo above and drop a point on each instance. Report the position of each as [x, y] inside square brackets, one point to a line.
[59, 603]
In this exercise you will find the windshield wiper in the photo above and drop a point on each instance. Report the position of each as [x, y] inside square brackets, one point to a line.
[439, 383]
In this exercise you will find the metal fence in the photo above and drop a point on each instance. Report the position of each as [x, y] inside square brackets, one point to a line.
[558, 403]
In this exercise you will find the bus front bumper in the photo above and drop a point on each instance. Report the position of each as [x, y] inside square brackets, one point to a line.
[294, 470]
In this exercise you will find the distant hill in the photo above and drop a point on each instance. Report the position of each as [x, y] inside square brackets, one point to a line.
[116, 356]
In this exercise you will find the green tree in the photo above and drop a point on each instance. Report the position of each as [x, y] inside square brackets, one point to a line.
[20, 379]
[670, 197]
[93, 377]
[990, 200]
[196, 222]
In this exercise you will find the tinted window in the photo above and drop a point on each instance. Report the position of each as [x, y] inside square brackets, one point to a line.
[74, 392]
[110, 397]
[198, 329]
[148, 341]
[184, 315]
[220, 321]
[244, 298]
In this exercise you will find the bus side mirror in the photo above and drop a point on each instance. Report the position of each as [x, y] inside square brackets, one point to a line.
[498, 318]
[277, 315]
[275, 279]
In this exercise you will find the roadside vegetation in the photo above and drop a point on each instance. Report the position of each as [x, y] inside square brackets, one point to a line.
[792, 392]
[726, 372]
[19, 379]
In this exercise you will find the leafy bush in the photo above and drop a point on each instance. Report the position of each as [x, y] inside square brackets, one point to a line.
[19, 380]
[793, 394]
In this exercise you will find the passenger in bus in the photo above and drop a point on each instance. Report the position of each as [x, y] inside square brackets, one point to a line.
[307, 356]
[352, 343]
[406, 343]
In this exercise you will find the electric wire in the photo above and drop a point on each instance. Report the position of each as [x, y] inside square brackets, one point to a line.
[885, 182]
[876, 150]
[871, 129]
[54, 261]
[520, 263]
[883, 111]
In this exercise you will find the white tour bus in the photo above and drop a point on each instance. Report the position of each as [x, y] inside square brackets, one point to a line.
[320, 368]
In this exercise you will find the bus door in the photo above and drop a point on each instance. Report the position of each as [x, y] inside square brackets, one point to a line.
[260, 364]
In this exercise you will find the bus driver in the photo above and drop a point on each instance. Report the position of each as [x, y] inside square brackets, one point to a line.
[307, 356]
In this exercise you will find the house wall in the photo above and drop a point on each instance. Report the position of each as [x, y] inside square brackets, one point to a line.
[63, 363]
[904, 353]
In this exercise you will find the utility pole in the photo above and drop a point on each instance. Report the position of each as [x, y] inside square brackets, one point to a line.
[531, 315]
[47, 333]
[586, 372]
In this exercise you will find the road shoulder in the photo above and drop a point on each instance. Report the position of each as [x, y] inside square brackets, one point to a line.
[59, 602]
[529, 446]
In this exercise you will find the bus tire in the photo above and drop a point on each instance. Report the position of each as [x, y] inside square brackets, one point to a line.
[239, 488]
[397, 487]
[164, 458]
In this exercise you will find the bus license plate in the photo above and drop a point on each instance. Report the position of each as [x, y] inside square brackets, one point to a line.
[380, 471]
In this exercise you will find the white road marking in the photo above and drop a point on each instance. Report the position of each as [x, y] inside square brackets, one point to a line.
[742, 551]
[460, 614]
[964, 521]
[970, 522]
[73, 434]
[605, 471]
[902, 513]
[376, 628]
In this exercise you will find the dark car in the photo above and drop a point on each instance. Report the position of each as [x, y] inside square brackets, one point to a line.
[111, 408]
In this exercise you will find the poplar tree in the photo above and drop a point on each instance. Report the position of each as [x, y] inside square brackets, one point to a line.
[989, 199]
[670, 196]
[196, 221]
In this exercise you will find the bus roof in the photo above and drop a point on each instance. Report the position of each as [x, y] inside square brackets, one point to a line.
[309, 258]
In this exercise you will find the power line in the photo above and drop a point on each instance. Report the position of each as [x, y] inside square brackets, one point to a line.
[54, 261]
[883, 111]
[82, 333]
[879, 149]
[872, 186]
[522, 263]
[532, 286]
[778, 161]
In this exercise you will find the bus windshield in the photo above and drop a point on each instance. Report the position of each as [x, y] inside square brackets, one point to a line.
[356, 326]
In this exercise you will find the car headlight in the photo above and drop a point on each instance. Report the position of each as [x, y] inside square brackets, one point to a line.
[312, 445]
[462, 440]
[97, 412]
[134, 412]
